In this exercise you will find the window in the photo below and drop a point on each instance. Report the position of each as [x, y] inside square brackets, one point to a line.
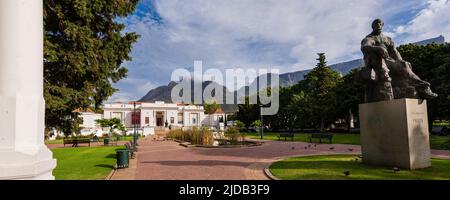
[147, 120]
[172, 120]
[194, 121]
[135, 118]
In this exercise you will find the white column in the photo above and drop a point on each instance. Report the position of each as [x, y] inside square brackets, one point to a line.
[23, 154]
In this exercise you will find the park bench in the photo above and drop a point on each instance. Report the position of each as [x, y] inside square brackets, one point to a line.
[440, 130]
[285, 136]
[321, 136]
[95, 139]
[131, 148]
[75, 142]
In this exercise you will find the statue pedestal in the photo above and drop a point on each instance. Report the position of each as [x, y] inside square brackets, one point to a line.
[395, 134]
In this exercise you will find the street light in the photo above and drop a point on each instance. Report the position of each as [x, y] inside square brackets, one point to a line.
[262, 123]
[134, 124]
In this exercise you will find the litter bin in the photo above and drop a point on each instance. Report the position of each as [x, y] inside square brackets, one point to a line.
[106, 141]
[123, 158]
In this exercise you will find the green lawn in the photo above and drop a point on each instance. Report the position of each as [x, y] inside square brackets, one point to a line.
[53, 141]
[441, 123]
[303, 137]
[84, 163]
[333, 168]
[436, 142]
[60, 141]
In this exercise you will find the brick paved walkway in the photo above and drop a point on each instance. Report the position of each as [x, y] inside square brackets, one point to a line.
[166, 160]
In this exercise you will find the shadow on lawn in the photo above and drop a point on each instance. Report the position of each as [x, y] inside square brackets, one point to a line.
[105, 166]
[113, 155]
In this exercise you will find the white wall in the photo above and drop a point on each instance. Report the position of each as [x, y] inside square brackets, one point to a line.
[149, 110]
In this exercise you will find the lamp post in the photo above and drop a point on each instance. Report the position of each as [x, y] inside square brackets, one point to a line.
[262, 123]
[134, 124]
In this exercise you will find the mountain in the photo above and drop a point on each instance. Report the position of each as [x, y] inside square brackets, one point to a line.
[163, 93]
[438, 40]
[290, 79]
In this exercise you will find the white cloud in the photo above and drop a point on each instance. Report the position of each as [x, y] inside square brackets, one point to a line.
[133, 90]
[253, 34]
[432, 21]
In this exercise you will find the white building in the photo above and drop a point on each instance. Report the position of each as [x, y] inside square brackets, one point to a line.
[89, 125]
[148, 116]
[216, 119]
[158, 114]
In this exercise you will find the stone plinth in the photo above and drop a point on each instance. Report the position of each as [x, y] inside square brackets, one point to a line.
[395, 133]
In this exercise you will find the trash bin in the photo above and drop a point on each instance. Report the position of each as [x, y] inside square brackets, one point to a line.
[106, 141]
[123, 158]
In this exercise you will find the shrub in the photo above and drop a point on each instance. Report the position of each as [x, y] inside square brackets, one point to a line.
[240, 125]
[198, 136]
[233, 134]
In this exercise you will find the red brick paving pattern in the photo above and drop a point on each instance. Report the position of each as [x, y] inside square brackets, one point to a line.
[166, 160]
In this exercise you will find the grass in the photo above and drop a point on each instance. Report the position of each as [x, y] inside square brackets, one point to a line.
[436, 142]
[60, 141]
[440, 142]
[333, 168]
[441, 123]
[303, 137]
[84, 163]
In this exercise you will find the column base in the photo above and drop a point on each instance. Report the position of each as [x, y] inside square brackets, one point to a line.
[27, 165]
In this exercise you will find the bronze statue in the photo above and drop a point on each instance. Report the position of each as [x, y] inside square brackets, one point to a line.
[388, 76]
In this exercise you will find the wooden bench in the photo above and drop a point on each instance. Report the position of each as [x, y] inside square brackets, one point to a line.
[285, 136]
[321, 136]
[95, 139]
[75, 142]
[131, 148]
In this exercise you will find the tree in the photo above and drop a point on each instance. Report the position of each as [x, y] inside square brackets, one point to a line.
[321, 83]
[248, 113]
[84, 48]
[112, 124]
[211, 107]
[240, 125]
[349, 94]
[284, 119]
[257, 124]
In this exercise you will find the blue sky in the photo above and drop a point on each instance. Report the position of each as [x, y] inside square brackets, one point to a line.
[284, 34]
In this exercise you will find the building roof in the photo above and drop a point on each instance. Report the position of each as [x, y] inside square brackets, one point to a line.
[80, 110]
[217, 111]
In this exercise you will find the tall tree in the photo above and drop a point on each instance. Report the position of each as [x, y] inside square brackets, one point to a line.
[321, 83]
[349, 94]
[211, 107]
[248, 113]
[85, 47]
